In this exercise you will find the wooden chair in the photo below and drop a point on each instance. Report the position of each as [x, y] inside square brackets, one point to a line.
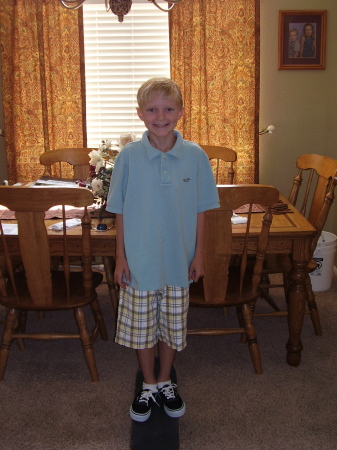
[77, 157]
[16, 261]
[318, 197]
[38, 288]
[225, 285]
[216, 155]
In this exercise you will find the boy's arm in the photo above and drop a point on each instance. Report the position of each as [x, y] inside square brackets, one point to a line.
[197, 265]
[121, 261]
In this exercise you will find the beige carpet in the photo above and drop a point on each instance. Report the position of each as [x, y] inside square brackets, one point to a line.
[48, 401]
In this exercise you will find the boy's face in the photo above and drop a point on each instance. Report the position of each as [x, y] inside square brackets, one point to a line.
[293, 36]
[160, 115]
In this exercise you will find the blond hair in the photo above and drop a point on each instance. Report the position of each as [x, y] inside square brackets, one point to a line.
[157, 85]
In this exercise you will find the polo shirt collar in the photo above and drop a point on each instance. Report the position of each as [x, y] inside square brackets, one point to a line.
[176, 151]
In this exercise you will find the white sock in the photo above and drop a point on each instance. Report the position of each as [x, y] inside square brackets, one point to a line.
[161, 384]
[152, 387]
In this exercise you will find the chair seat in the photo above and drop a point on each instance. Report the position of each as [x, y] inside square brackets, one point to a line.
[197, 296]
[59, 292]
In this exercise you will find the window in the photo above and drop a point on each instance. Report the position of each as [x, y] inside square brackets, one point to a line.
[119, 57]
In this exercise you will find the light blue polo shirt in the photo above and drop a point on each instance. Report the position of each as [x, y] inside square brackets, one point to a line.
[160, 195]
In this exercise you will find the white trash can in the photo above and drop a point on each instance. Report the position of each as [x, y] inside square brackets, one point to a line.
[324, 255]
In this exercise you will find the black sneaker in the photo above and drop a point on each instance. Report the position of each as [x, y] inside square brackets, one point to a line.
[140, 409]
[173, 404]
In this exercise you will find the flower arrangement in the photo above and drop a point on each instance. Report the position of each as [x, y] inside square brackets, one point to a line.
[101, 166]
[125, 138]
[102, 163]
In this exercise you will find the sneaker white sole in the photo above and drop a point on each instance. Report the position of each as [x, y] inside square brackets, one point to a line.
[139, 417]
[175, 413]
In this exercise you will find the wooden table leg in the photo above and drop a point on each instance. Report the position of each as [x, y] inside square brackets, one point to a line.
[109, 266]
[297, 296]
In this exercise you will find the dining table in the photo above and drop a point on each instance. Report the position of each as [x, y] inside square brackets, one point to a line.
[290, 233]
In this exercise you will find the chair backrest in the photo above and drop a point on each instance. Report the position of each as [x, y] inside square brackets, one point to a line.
[223, 173]
[323, 215]
[30, 205]
[218, 237]
[77, 157]
[321, 170]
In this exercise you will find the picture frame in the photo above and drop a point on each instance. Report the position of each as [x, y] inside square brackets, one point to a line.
[302, 40]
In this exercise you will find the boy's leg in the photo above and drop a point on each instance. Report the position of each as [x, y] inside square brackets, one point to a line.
[173, 404]
[141, 406]
[146, 362]
[173, 323]
[136, 327]
[166, 359]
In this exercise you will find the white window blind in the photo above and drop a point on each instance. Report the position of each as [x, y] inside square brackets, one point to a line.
[119, 57]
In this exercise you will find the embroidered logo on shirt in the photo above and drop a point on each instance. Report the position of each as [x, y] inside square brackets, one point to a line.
[186, 180]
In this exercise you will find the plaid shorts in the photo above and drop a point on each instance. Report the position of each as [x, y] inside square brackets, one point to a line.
[146, 317]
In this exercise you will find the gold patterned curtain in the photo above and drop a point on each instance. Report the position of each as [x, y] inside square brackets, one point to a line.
[43, 82]
[214, 48]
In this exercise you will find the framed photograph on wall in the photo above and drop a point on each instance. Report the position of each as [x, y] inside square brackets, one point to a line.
[302, 40]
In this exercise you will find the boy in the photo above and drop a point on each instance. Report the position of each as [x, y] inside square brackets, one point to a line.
[161, 187]
[294, 44]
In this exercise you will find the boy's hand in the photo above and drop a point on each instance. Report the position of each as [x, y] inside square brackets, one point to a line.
[121, 269]
[196, 269]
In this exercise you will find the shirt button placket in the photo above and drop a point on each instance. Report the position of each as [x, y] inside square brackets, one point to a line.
[165, 170]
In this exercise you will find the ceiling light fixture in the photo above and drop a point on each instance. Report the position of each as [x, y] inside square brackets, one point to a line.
[118, 7]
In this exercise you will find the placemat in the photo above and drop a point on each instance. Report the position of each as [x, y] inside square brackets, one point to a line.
[278, 208]
[244, 209]
[56, 213]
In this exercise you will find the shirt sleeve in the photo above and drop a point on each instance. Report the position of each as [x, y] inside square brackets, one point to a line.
[208, 197]
[116, 195]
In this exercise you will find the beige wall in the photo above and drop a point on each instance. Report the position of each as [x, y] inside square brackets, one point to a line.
[302, 104]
